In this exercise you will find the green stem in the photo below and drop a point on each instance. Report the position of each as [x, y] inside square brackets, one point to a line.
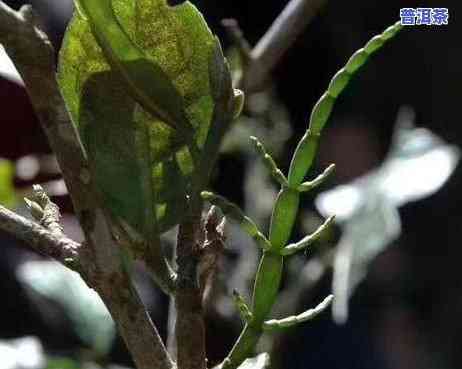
[283, 217]
[307, 148]
[269, 273]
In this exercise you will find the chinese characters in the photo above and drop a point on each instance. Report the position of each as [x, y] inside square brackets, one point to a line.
[424, 16]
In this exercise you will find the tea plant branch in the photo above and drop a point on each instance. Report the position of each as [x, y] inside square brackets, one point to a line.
[244, 80]
[269, 274]
[252, 79]
[100, 256]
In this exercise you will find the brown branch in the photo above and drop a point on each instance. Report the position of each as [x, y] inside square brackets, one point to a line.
[39, 238]
[100, 259]
[104, 273]
[277, 40]
[189, 326]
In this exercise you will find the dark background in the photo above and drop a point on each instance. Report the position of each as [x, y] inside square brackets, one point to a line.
[408, 312]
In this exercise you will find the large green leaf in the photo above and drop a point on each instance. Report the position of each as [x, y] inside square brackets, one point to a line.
[135, 75]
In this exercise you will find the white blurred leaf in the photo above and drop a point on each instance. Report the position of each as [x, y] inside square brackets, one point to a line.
[419, 164]
[21, 353]
[374, 226]
[85, 308]
[342, 201]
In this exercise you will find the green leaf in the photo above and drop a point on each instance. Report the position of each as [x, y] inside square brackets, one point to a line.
[136, 78]
[7, 193]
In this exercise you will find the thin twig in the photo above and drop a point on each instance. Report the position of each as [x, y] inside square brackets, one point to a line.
[277, 40]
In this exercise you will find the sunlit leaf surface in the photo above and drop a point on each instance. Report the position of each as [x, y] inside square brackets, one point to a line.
[141, 164]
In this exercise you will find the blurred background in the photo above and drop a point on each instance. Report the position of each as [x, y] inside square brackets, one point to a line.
[406, 312]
